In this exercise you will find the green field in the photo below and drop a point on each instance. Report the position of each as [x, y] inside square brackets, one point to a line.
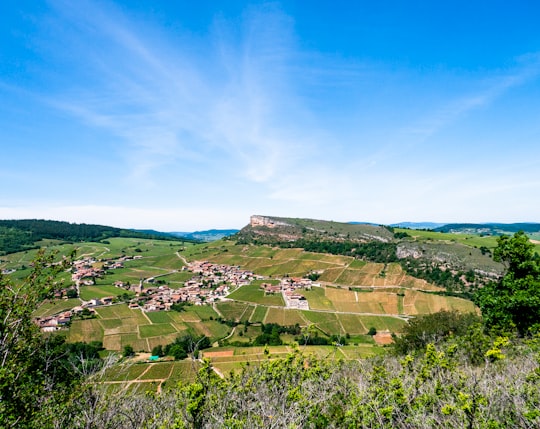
[285, 317]
[48, 308]
[233, 310]
[156, 330]
[253, 293]
[258, 314]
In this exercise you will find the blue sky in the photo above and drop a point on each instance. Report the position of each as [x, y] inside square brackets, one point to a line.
[180, 116]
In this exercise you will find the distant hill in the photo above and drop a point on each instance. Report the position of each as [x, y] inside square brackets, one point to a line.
[206, 236]
[418, 225]
[18, 235]
[435, 256]
[271, 230]
[490, 228]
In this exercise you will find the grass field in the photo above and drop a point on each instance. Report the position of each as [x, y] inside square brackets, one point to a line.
[253, 293]
[284, 317]
[317, 299]
[117, 326]
[49, 308]
[258, 314]
[100, 291]
[232, 310]
[128, 375]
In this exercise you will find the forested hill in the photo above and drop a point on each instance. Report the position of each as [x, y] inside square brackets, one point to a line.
[17, 235]
[490, 228]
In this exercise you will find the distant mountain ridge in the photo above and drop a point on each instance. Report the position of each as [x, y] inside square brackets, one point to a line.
[418, 225]
[207, 235]
[490, 228]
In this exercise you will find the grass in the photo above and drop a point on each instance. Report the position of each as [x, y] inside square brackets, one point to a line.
[317, 299]
[159, 317]
[85, 330]
[156, 330]
[285, 317]
[100, 291]
[49, 308]
[204, 312]
[125, 371]
[157, 370]
[258, 314]
[468, 239]
[182, 371]
[253, 293]
[232, 310]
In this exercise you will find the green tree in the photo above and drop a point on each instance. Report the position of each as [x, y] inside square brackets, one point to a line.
[29, 363]
[433, 328]
[158, 351]
[128, 351]
[514, 301]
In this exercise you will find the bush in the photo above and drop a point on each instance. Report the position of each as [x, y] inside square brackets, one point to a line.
[434, 328]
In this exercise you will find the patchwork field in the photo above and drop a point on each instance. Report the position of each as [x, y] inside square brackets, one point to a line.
[118, 326]
[354, 295]
[150, 377]
[253, 293]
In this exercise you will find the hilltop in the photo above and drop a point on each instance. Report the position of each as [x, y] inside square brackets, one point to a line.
[454, 261]
[25, 234]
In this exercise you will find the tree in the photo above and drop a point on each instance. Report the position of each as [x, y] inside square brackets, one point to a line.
[128, 351]
[31, 366]
[513, 303]
[433, 328]
[158, 351]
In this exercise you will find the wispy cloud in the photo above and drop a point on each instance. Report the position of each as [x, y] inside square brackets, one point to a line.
[170, 101]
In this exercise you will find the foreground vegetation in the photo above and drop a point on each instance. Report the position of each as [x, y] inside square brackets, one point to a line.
[437, 388]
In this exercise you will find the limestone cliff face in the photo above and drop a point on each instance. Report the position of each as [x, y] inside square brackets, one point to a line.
[265, 221]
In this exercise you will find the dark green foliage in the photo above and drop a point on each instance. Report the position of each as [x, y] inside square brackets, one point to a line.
[375, 251]
[181, 306]
[158, 351]
[514, 301]
[187, 345]
[37, 373]
[372, 331]
[128, 351]
[271, 334]
[433, 273]
[313, 276]
[15, 240]
[316, 340]
[434, 328]
[18, 235]
[400, 235]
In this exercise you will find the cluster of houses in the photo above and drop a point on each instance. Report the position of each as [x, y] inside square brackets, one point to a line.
[63, 319]
[85, 271]
[210, 283]
[289, 287]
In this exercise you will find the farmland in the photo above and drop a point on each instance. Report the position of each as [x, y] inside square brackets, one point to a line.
[360, 295]
[350, 297]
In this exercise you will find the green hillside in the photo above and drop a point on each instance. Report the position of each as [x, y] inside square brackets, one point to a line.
[19, 235]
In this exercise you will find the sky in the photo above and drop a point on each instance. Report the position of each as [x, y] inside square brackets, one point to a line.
[184, 116]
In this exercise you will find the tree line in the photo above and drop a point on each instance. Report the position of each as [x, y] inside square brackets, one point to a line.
[19, 235]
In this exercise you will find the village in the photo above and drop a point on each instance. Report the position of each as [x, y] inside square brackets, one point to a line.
[209, 283]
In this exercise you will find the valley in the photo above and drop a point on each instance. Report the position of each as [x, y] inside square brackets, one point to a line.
[144, 293]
